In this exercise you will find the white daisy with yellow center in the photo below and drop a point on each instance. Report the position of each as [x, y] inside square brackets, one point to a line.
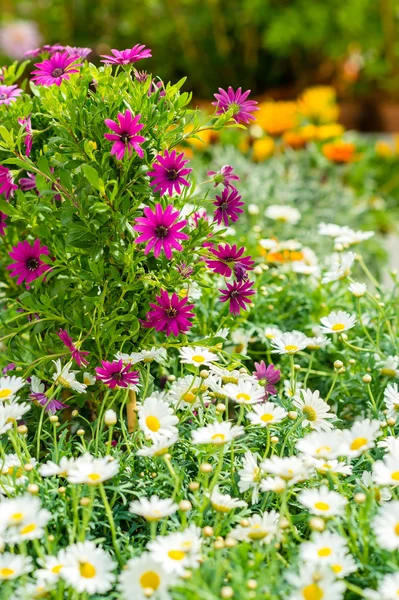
[153, 508]
[285, 214]
[386, 471]
[51, 567]
[321, 444]
[66, 378]
[290, 342]
[244, 392]
[14, 565]
[143, 578]
[217, 433]
[188, 391]
[386, 526]
[157, 419]
[389, 587]
[260, 528]
[177, 551]
[91, 470]
[88, 568]
[266, 414]
[197, 356]
[250, 475]
[224, 503]
[158, 448]
[9, 386]
[391, 399]
[337, 322]
[360, 437]
[290, 468]
[323, 502]
[315, 412]
[323, 548]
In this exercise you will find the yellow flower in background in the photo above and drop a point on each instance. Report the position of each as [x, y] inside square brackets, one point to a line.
[277, 117]
[328, 132]
[203, 138]
[308, 132]
[319, 104]
[294, 139]
[262, 149]
[383, 149]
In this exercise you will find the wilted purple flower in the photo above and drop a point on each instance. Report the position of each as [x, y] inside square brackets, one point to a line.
[27, 183]
[28, 140]
[267, 377]
[9, 93]
[224, 176]
[77, 355]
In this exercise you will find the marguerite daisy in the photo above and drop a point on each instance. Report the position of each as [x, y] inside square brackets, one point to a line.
[88, 568]
[314, 410]
[224, 503]
[290, 342]
[386, 526]
[244, 392]
[91, 470]
[154, 508]
[9, 386]
[337, 322]
[143, 577]
[67, 378]
[322, 501]
[197, 356]
[217, 433]
[157, 419]
[266, 414]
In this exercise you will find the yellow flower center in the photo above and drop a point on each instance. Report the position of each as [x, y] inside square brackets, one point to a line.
[322, 506]
[291, 348]
[153, 423]
[243, 396]
[64, 382]
[28, 529]
[385, 371]
[56, 569]
[176, 554]
[309, 413]
[94, 477]
[336, 568]
[218, 436]
[256, 533]
[150, 579]
[397, 529]
[188, 397]
[312, 592]
[5, 393]
[395, 476]
[267, 417]
[358, 443]
[17, 517]
[324, 552]
[338, 327]
[15, 471]
[323, 449]
[220, 508]
[198, 358]
[87, 570]
[6, 572]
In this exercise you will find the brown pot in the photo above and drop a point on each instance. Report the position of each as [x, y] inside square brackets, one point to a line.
[388, 113]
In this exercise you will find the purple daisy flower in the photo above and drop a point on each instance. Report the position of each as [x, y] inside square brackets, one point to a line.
[171, 315]
[197, 216]
[125, 136]
[27, 183]
[228, 258]
[169, 174]
[3, 223]
[116, 374]
[55, 69]
[184, 270]
[156, 86]
[267, 377]
[28, 265]
[9, 367]
[9, 93]
[159, 229]
[81, 53]
[225, 176]
[77, 355]
[237, 100]
[127, 57]
[228, 206]
[140, 76]
[28, 140]
[238, 294]
[50, 406]
[7, 185]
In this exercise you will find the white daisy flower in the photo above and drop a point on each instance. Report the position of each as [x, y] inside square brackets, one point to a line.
[12, 412]
[90, 470]
[389, 587]
[349, 237]
[357, 289]
[158, 448]
[391, 399]
[51, 468]
[217, 433]
[326, 444]
[67, 378]
[329, 466]
[386, 471]
[187, 391]
[240, 339]
[224, 503]
[33, 591]
[343, 565]
[177, 551]
[13, 467]
[197, 356]
[329, 229]
[157, 419]
[288, 391]
[271, 332]
[273, 484]
[391, 444]
[88, 379]
[285, 214]
[15, 511]
[360, 437]
[158, 354]
[389, 366]
[51, 567]
[88, 568]
[290, 342]
[340, 267]
[14, 565]
[266, 414]
[323, 548]
[226, 376]
[322, 501]
[244, 392]
[317, 342]
[9, 386]
[31, 527]
[142, 578]
[267, 243]
[154, 508]
[386, 525]
[316, 584]
[314, 410]
[290, 468]
[250, 475]
[337, 322]
[380, 494]
[261, 528]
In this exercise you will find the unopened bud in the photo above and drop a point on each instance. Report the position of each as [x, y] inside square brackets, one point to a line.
[230, 542]
[53, 419]
[75, 413]
[28, 467]
[62, 490]
[317, 524]
[185, 506]
[274, 439]
[391, 421]
[110, 417]
[367, 378]
[84, 501]
[80, 432]
[22, 429]
[207, 531]
[292, 415]
[193, 486]
[297, 367]
[221, 407]
[338, 364]
[204, 374]
[227, 592]
[33, 488]
[218, 545]
[360, 498]
[206, 468]
[252, 584]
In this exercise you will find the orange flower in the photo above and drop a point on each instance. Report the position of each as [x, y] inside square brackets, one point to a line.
[340, 152]
[285, 256]
[206, 138]
[294, 139]
[277, 117]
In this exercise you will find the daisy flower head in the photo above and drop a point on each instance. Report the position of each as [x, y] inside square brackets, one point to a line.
[51, 469]
[224, 503]
[289, 468]
[81, 53]
[38, 395]
[77, 355]
[177, 551]
[9, 386]
[11, 412]
[285, 214]
[216, 433]
[389, 366]
[157, 419]
[360, 437]
[317, 342]
[9, 93]
[158, 448]
[28, 265]
[321, 444]
[267, 377]
[154, 508]
[389, 587]
[128, 56]
[244, 392]
[340, 267]
[88, 568]
[55, 69]
[290, 342]
[228, 206]
[51, 568]
[24, 518]
[169, 173]
[266, 414]
[225, 176]
[322, 501]
[143, 577]
[90, 470]
[391, 399]
[315, 411]
[125, 136]
[237, 101]
[316, 583]
[14, 565]
[7, 185]
[337, 322]
[160, 229]
[250, 475]
[386, 526]
[262, 528]
[386, 471]
[67, 378]
[238, 294]
[116, 374]
[197, 356]
[323, 548]
[186, 392]
[227, 259]
[357, 289]
[171, 314]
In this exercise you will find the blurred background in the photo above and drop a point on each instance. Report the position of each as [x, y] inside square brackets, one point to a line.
[276, 48]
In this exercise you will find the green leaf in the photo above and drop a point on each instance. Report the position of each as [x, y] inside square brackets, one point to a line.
[80, 237]
[91, 174]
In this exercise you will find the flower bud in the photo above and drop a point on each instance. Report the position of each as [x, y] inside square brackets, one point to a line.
[110, 417]
[33, 488]
[193, 486]
[84, 501]
[207, 531]
[22, 429]
[28, 467]
[206, 468]
[53, 419]
[230, 542]
[274, 439]
[317, 524]
[297, 367]
[185, 506]
[292, 415]
[218, 545]
[367, 378]
[244, 523]
[75, 413]
[171, 378]
[61, 490]
[204, 374]
[338, 364]
[252, 584]
[226, 592]
[360, 498]
[391, 421]
[80, 432]
[258, 271]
